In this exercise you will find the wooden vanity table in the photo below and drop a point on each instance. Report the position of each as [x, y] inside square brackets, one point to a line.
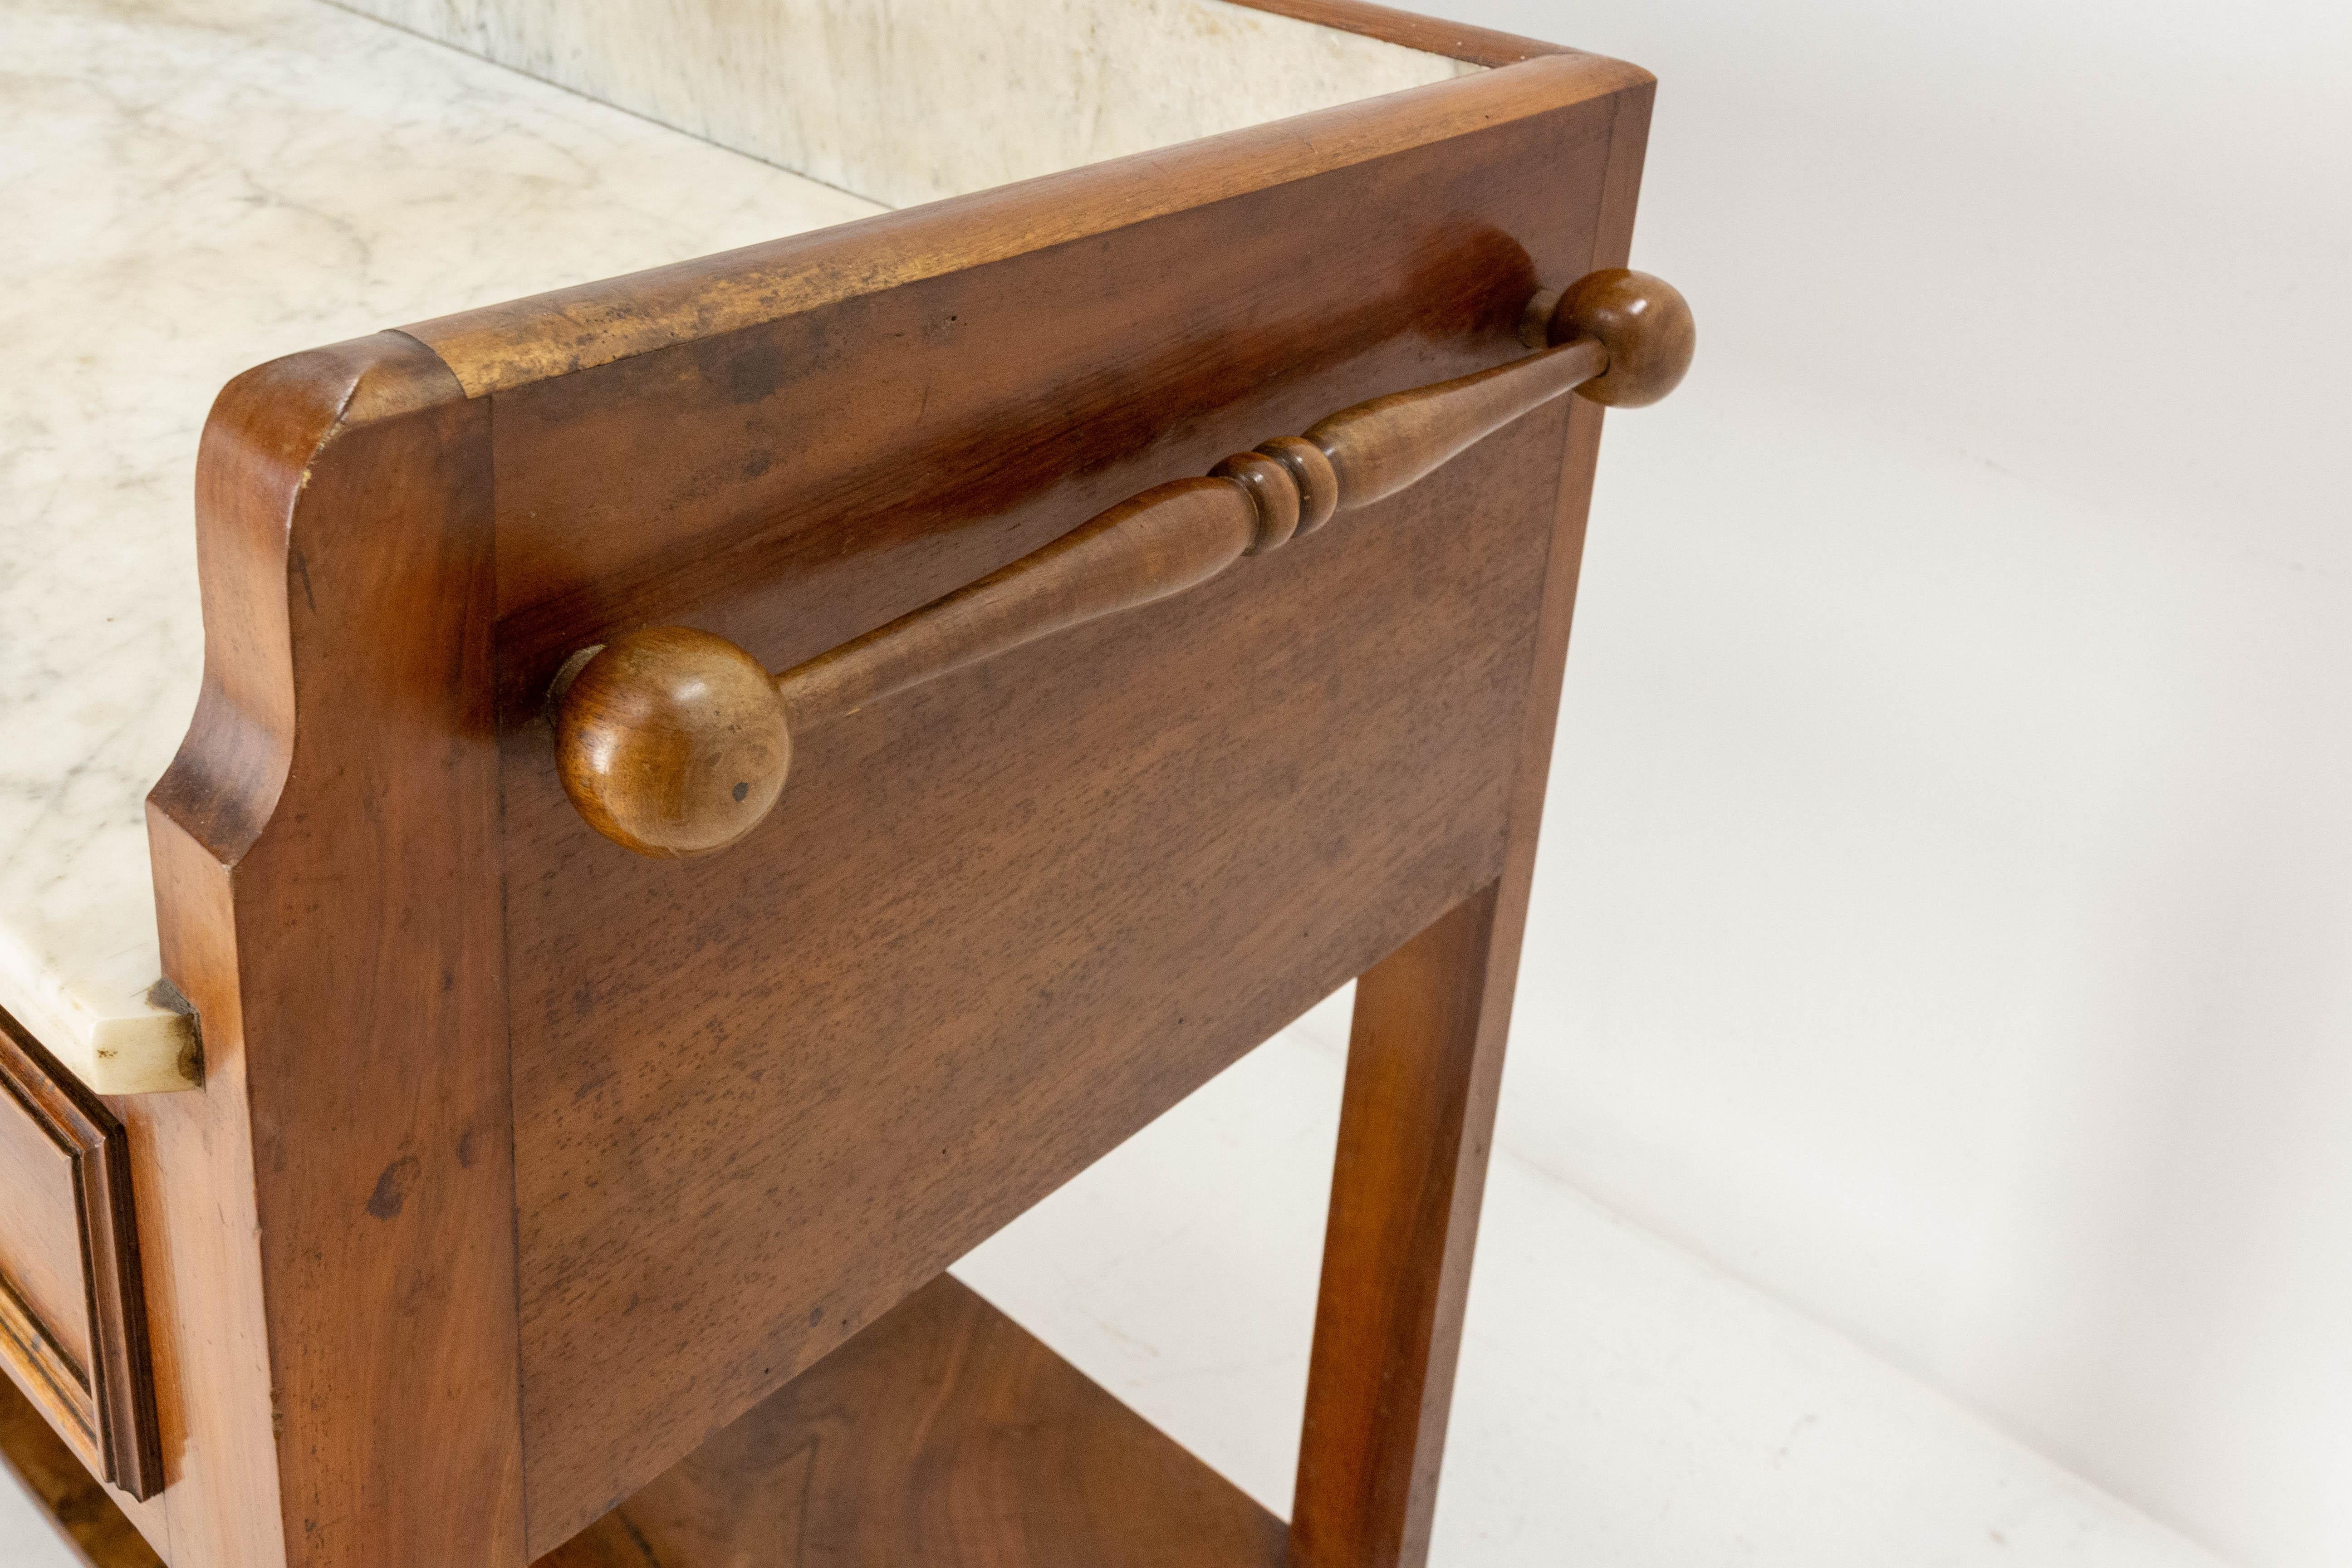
[712, 790]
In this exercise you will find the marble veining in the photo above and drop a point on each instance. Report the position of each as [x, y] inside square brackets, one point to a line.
[195, 187]
[192, 187]
[910, 100]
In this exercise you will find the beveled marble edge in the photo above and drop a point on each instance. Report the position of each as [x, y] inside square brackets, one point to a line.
[145, 1045]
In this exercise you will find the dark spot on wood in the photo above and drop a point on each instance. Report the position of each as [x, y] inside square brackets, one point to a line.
[742, 790]
[466, 1150]
[417, 1290]
[391, 1192]
[753, 371]
[302, 565]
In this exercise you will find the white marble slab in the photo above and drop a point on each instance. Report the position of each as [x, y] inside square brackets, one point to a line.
[192, 187]
[909, 100]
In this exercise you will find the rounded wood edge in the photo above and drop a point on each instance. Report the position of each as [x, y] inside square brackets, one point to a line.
[1311, 471]
[671, 742]
[541, 337]
[268, 429]
[1407, 29]
[1644, 324]
[1535, 318]
[1272, 491]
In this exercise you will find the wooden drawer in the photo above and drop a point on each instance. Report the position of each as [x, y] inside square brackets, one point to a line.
[73, 1324]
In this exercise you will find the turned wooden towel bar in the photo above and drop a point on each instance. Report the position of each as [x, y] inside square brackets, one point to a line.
[675, 742]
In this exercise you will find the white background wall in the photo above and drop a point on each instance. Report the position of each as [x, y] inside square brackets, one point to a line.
[1946, 911]
[1945, 919]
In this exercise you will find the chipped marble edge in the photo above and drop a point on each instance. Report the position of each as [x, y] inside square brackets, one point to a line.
[147, 1045]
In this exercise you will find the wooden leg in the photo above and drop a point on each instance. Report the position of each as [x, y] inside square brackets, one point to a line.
[1425, 1060]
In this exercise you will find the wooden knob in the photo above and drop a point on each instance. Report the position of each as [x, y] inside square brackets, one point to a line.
[672, 742]
[1644, 324]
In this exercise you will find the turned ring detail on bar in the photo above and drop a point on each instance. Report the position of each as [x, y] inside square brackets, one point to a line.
[675, 742]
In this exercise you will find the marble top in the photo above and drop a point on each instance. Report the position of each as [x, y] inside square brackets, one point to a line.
[195, 187]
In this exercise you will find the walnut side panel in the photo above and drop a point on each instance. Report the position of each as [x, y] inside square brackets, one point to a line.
[1004, 921]
[330, 1218]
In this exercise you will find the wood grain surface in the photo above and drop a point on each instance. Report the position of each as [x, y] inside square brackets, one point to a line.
[1381, 446]
[40, 1233]
[1435, 35]
[48, 1374]
[671, 742]
[523, 1166]
[546, 337]
[1171, 537]
[1404, 1198]
[1644, 324]
[71, 1298]
[1424, 1072]
[674, 742]
[1011, 916]
[92, 1526]
[329, 1222]
[942, 1436]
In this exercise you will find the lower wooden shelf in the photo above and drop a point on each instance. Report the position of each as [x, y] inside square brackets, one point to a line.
[942, 1436]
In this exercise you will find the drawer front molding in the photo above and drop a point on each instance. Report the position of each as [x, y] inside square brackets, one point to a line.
[73, 1318]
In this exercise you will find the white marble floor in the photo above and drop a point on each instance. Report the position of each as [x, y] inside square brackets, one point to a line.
[1620, 1403]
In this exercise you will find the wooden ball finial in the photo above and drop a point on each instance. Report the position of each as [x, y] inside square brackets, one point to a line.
[671, 742]
[1644, 324]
